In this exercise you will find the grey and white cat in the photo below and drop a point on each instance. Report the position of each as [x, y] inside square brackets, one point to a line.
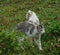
[32, 27]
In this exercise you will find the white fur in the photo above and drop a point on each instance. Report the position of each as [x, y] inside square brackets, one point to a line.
[32, 17]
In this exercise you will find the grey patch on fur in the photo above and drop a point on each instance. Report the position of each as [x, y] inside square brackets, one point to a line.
[25, 27]
[22, 26]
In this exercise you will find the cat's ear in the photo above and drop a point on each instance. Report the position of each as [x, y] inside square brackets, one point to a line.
[29, 14]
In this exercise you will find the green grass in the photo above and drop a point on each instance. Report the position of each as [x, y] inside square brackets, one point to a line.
[13, 11]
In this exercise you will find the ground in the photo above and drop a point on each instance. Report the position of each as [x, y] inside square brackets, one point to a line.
[13, 11]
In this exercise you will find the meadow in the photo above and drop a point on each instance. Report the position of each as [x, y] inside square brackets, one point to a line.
[13, 11]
